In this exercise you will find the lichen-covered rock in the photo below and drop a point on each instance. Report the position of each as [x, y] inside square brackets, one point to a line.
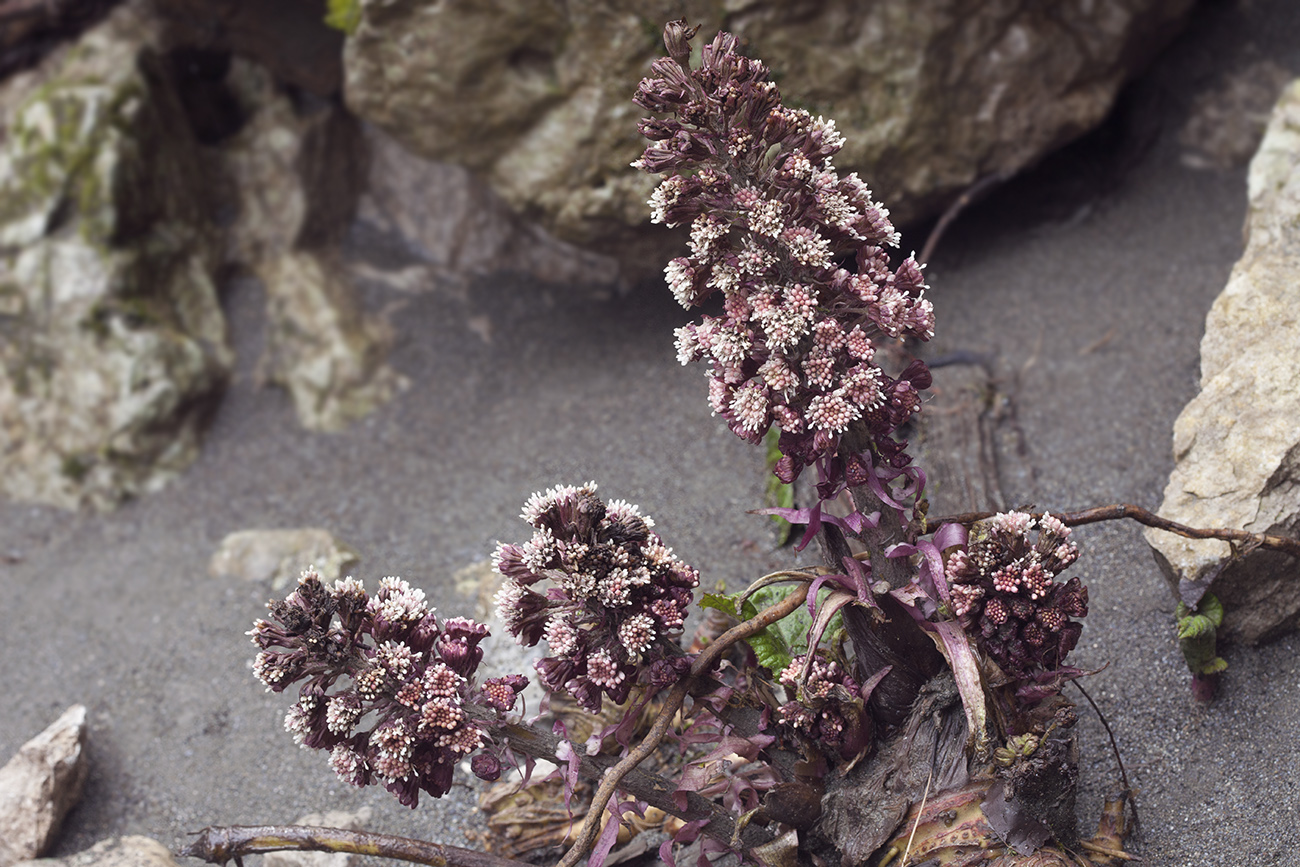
[132, 851]
[930, 94]
[280, 556]
[39, 785]
[299, 174]
[1237, 444]
[112, 342]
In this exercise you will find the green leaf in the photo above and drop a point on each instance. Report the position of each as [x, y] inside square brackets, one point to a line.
[343, 15]
[1196, 626]
[727, 605]
[1214, 666]
[781, 642]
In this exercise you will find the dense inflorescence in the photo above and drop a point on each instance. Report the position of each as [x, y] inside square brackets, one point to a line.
[389, 691]
[799, 254]
[617, 601]
[827, 707]
[1004, 591]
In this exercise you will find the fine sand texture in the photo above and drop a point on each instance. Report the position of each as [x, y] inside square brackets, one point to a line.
[1084, 284]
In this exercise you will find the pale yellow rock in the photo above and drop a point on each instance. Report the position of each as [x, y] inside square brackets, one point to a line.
[1237, 444]
[39, 785]
[132, 851]
[278, 557]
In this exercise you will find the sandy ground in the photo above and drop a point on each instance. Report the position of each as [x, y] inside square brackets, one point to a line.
[1087, 282]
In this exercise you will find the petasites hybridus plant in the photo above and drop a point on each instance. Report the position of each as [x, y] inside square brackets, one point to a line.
[800, 257]
[616, 601]
[390, 691]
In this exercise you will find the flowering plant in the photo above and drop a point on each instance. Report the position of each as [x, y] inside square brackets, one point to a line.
[921, 666]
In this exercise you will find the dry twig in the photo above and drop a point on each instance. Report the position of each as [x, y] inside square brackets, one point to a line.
[1148, 518]
[219, 845]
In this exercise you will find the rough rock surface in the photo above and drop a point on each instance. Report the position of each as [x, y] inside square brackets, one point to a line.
[1227, 123]
[112, 342]
[39, 785]
[133, 851]
[1237, 444]
[931, 96]
[443, 225]
[299, 173]
[331, 819]
[280, 556]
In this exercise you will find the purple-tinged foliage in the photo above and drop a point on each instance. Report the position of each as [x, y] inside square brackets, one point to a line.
[389, 692]
[1004, 592]
[799, 256]
[616, 602]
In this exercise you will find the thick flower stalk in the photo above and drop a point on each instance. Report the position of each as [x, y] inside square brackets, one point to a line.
[389, 690]
[1004, 592]
[617, 598]
[799, 255]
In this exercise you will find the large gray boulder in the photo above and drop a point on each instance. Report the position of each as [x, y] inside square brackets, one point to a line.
[1237, 444]
[112, 343]
[931, 95]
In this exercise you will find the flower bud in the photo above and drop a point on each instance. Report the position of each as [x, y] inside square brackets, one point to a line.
[677, 39]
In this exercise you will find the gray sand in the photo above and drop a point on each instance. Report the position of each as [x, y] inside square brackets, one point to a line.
[117, 611]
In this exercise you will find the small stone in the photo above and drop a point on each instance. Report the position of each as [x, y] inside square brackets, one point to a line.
[39, 785]
[280, 556]
[1237, 445]
[331, 819]
[131, 851]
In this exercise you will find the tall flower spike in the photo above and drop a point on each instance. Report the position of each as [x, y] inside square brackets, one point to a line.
[798, 253]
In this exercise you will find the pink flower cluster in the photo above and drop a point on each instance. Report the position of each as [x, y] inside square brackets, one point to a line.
[797, 252]
[617, 598]
[827, 707]
[1003, 590]
[390, 691]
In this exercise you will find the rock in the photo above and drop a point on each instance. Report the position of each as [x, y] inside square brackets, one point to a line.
[299, 174]
[450, 227]
[321, 347]
[332, 819]
[112, 342]
[280, 556]
[39, 785]
[131, 851]
[1227, 122]
[288, 37]
[930, 96]
[29, 30]
[1237, 445]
